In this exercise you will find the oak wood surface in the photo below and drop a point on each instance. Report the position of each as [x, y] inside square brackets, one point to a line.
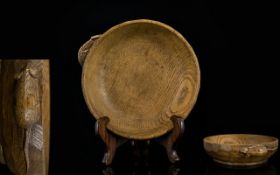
[140, 73]
[25, 115]
[243, 150]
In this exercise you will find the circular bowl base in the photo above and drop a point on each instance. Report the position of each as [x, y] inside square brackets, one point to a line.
[240, 165]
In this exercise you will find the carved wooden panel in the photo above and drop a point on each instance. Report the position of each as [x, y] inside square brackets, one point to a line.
[25, 116]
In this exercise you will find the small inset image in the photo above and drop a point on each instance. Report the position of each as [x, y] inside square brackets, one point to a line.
[24, 116]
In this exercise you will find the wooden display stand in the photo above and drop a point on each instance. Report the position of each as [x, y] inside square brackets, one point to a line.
[113, 141]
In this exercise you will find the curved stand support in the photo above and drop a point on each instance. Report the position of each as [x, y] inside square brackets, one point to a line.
[113, 142]
[108, 139]
[172, 137]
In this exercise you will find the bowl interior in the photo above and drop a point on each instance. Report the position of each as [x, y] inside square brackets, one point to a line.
[139, 74]
[239, 139]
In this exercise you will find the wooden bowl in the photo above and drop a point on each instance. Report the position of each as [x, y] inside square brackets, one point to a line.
[139, 74]
[240, 150]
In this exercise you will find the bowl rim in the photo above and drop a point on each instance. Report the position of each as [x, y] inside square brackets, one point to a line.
[274, 139]
[96, 113]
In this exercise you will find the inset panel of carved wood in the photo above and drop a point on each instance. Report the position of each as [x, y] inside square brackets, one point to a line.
[25, 116]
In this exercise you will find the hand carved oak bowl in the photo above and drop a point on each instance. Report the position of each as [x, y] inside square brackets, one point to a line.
[139, 74]
[240, 150]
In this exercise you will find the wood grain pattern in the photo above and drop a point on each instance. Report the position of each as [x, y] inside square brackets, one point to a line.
[27, 103]
[240, 149]
[141, 73]
[25, 115]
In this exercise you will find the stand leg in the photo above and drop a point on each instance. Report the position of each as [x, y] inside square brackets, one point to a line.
[108, 139]
[112, 142]
[108, 171]
[173, 170]
[175, 134]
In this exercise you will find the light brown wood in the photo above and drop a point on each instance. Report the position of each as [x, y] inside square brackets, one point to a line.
[25, 115]
[139, 74]
[241, 150]
[84, 49]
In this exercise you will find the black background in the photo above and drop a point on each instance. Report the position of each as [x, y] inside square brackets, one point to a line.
[236, 44]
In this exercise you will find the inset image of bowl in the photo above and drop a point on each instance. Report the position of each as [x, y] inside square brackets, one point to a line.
[240, 150]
